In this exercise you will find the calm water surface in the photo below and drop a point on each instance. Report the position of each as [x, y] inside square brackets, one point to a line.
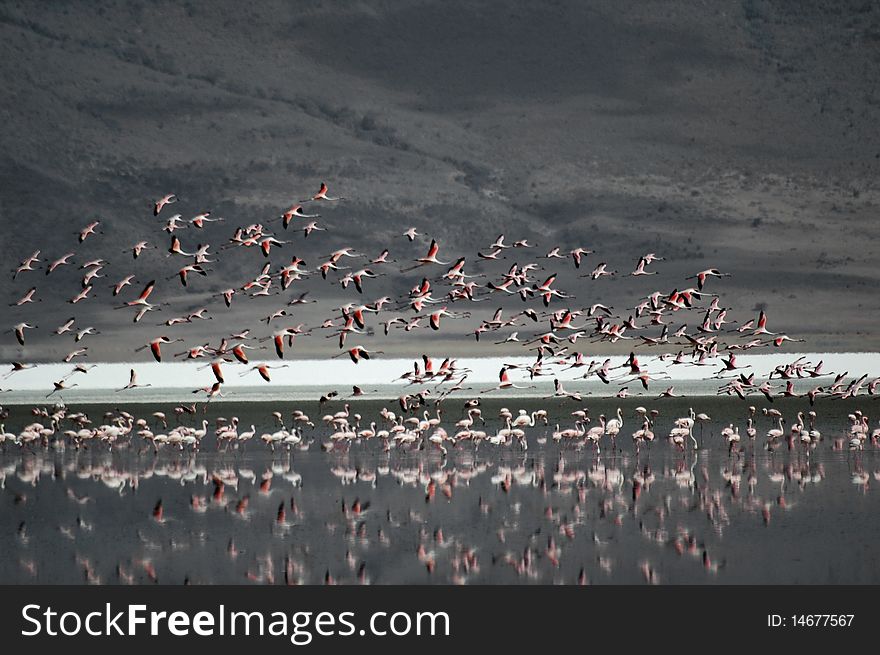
[556, 513]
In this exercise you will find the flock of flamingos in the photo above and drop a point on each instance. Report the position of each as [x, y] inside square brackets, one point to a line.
[689, 323]
[445, 438]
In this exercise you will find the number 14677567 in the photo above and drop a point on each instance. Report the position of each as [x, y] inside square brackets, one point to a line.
[822, 620]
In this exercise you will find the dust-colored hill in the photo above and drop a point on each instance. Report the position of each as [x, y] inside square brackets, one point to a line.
[737, 135]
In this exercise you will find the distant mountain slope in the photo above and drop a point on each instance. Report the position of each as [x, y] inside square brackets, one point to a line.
[742, 136]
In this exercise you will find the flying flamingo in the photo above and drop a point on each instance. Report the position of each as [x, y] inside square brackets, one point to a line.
[132, 383]
[175, 248]
[295, 212]
[66, 327]
[27, 264]
[263, 369]
[358, 353]
[505, 382]
[19, 331]
[312, 227]
[322, 194]
[60, 386]
[124, 282]
[762, 326]
[61, 261]
[161, 202]
[199, 220]
[702, 276]
[155, 346]
[640, 269]
[141, 300]
[26, 298]
[138, 248]
[88, 230]
[430, 258]
[81, 334]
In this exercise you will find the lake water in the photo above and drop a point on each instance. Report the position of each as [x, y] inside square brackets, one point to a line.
[551, 514]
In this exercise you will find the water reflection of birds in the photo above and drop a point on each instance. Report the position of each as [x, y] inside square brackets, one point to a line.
[430, 507]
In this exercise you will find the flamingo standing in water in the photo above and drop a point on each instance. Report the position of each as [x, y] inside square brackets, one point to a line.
[732, 439]
[777, 432]
[612, 427]
[643, 434]
[525, 419]
[702, 418]
[679, 435]
[595, 433]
